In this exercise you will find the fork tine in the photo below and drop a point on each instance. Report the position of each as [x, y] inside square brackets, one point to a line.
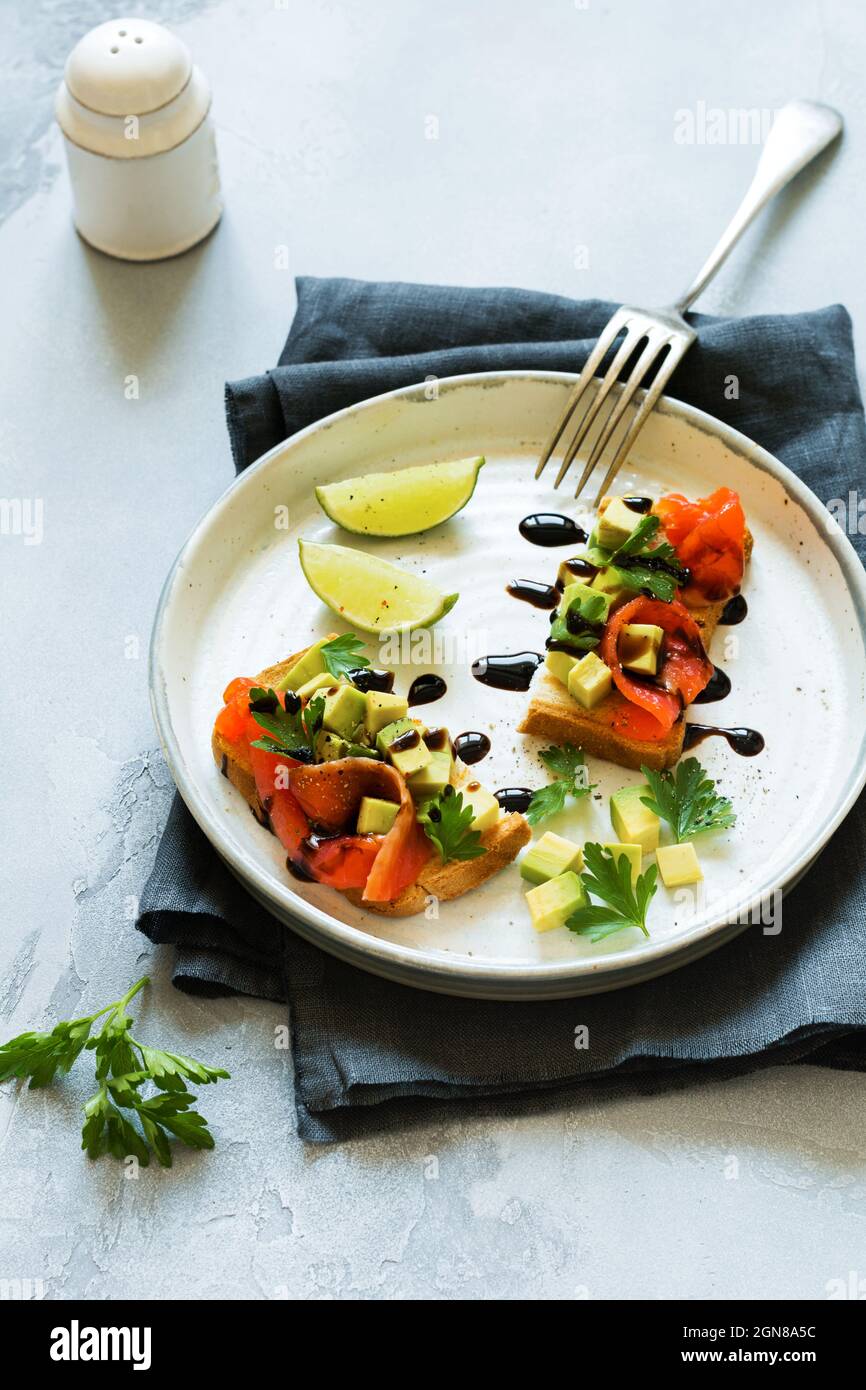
[663, 376]
[613, 326]
[625, 351]
[642, 366]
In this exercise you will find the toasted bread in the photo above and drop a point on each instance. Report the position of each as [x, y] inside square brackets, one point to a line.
[502, 841]
[553, 714]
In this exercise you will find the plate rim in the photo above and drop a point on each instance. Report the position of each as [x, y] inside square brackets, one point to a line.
[411, 964]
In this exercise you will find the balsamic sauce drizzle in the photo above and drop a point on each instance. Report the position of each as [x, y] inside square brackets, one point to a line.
[471, 747]
[746, 742]
[425, 689]
[718, 687]
[734, 611]
[514, 798]
[550, 528]
[508, 671]
[531, 591]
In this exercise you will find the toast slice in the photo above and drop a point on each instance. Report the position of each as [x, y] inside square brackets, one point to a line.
[503, 841]
[553, 714]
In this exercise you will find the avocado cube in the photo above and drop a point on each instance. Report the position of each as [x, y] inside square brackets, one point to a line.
[375, 817]
[413, 755]
[383, 708]
[344, 711]
[678, 865]
[387, 735]
[552, 903]
[323, 681]
[579, 594]
[634, 823]
[633, 853]
[312, 663]
[616, 522]
[430, 780]
[485, 807]
[549, 857]
[607, 582]
[589, 681]
[559, 664]
[639, 647]
[328, 747]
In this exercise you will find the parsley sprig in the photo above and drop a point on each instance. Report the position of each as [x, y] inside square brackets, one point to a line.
[590, 610]
[344, 654]
[123, 1067]
[448, 823]
[289, 730]
[568, 765]
[643, 562]
[687, 800]
[623, 904]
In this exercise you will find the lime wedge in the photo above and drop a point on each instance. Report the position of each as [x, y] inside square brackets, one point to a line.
[402, 503]
[371, 594]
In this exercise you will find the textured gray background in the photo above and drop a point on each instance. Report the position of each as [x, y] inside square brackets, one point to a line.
[556, 126]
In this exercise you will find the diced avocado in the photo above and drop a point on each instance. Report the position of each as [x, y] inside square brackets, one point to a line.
[589, 681]
[634, 823]
[383, 708]
[309, 665]
[330, 746]
[344, 711]
[579, 594]
[414, 755]
[678, 865]
[376, 817]
[549, 857]
[320, 682]
[430, 780]
[615, 524]
[552, 903]
[389, 732]
[633, 853]
[639, 647]
[485, 807]
[559, 665]
[607, 582]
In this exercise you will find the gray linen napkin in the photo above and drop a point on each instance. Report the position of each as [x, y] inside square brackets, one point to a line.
[369, 1053]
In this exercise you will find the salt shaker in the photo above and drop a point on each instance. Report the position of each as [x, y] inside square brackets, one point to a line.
[134, 111]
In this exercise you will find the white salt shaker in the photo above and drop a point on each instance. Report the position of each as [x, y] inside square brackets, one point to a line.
[134, 112]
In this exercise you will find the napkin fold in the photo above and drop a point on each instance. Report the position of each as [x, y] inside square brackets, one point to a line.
[368, 1053]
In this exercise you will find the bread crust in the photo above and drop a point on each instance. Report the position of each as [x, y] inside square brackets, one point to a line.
[503, 841]
[553, 714]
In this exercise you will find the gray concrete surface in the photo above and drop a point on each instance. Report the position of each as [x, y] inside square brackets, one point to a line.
[556, 166]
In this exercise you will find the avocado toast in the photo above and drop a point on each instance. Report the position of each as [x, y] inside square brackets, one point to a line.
[627, 650]
[362, 797]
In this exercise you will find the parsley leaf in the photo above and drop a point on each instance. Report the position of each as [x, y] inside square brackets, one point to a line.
[622, 905]
[123, 1066]
[568, 765]
[686, 798]
[289, 729]
[642, 562]
[448, 823]
[344, 654]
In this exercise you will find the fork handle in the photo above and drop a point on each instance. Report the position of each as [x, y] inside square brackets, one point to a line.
[801, 130]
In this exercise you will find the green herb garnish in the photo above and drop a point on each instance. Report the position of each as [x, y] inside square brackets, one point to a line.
[287, 730]
[568, 765]
[344, 654]
[448, 823]
[642, 563]
[623, 904]
[123, 1067]
[687, 800]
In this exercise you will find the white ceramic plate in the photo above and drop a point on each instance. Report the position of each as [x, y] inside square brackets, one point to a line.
[236, 601]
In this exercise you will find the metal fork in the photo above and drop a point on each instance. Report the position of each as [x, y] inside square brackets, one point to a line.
[661, 336]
